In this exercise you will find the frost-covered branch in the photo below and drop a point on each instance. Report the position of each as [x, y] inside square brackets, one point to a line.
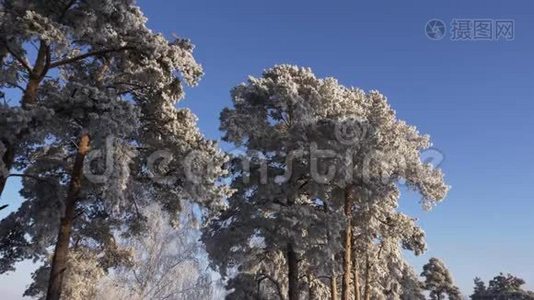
[87, 55]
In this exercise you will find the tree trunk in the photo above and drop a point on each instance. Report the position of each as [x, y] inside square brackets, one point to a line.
[367, 289]
[347, 249]
[356, 278]
[30, 94]
[36, 75]
[310, 289]
[333, 287]
[356, 283]
[7, 159]
[293, 273]
[29, 98]
[59, 262]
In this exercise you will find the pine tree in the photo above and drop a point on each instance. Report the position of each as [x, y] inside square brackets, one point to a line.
[501, 287]
[313, 149]
[438, 281]
[96, 127]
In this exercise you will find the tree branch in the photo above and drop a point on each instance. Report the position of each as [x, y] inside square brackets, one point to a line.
[17, 57]
[88, 54]
[264, 276]
[32, 177]
[67, 7]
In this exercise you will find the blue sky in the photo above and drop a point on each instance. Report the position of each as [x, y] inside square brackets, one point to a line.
[475, 98]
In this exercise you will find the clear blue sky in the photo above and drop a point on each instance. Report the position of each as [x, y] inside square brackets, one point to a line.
[476, 100]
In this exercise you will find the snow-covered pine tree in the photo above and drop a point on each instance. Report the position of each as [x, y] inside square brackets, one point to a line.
[501, 287]
[438, 281]
[411, 286]
[108, 37]
[100, 80]
[380, 234]
[313, 146]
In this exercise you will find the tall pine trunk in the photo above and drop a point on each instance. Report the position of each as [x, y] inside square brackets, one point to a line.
[293, 273]
[356, 284]
[367, 289]
[333, 287]
[29, 98]
[310, 289]
[59, 262]
[347, 246]
[356, 277]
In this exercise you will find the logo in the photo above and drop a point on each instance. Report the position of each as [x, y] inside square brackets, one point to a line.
[435, 29]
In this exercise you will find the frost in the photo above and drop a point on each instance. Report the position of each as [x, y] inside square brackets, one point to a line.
[438, 281]
[318, 138]
[97, 70]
